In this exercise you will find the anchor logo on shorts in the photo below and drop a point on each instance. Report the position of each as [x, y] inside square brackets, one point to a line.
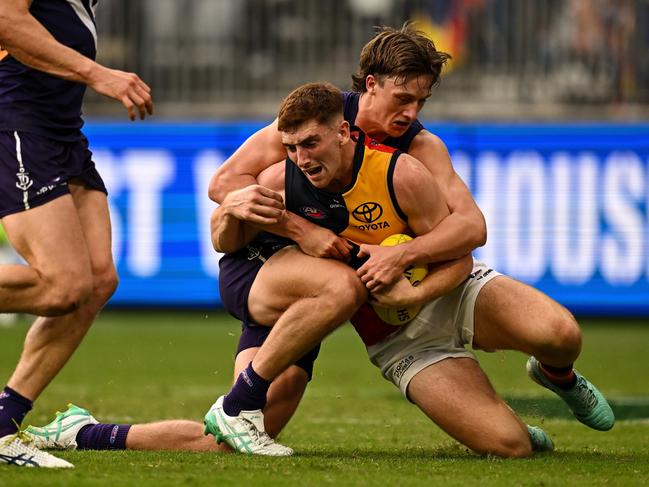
[24, 182]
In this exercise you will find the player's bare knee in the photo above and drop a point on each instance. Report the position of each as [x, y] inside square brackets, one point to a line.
[563, 334]
[509, 446]
[66, 296]
[571, 336]
[520, 450]
[347, 291]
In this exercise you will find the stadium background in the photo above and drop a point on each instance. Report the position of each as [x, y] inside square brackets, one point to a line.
[546, 113]
[544, 108]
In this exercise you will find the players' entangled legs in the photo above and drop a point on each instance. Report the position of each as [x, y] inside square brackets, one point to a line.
[304, 298]
[184, 435]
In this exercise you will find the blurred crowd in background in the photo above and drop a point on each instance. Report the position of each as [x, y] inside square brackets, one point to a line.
[237, 58]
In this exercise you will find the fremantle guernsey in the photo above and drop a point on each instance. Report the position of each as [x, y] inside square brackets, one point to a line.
[36, 102]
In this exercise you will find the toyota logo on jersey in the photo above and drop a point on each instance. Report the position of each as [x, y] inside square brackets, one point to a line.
[368, 212]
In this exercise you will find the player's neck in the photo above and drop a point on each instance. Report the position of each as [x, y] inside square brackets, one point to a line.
[366, 121]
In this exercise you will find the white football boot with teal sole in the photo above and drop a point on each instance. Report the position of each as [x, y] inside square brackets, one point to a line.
[584, 400]
[245, 433]
[61, 434]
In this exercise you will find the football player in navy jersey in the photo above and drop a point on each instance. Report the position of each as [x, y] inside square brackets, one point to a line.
[53, 202]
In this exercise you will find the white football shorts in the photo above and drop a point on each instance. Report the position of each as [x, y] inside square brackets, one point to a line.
[441, 330]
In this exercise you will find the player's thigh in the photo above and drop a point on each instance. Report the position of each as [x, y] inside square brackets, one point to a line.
[50, 238]
[457, 395]
[512, 315]
[290, 275]
[92, 207]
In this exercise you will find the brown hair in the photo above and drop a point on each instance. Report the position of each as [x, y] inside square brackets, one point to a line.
[321, 102]
[401, 53]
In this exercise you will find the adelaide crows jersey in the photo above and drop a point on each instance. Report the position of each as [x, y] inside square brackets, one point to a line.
[36, 102]
[366, 211]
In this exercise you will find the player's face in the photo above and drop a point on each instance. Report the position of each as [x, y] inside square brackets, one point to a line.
[316, 149]
[395, 104]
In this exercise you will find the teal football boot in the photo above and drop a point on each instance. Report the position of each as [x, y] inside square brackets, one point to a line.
[584, 400]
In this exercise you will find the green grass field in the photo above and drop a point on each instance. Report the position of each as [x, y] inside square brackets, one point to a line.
[353, 427]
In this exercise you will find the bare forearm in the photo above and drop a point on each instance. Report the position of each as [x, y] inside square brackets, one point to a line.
[225, 181]
[229, 234]
[291, 226]
[443, 278]
[249, 163]
[31, 44]
[454, 237]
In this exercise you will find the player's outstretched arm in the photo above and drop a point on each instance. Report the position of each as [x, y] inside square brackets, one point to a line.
[464, 229]
[30, 43]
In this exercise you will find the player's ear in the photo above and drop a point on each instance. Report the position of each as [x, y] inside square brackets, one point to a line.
[370, 83]
[343, 133]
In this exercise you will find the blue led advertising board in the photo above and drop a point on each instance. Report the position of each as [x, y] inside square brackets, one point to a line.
[567, 207]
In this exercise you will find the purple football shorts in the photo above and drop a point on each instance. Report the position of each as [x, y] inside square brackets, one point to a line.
[237, 274]
[35, 170]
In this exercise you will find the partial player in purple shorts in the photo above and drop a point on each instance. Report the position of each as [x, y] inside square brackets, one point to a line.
[35, 169]
[53, 202]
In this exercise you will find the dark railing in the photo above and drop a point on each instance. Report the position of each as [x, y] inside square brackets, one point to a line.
[512, 58]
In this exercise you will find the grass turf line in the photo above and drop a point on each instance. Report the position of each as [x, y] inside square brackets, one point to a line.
[353, 427]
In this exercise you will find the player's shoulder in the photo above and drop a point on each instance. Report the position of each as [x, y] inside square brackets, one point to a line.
[427, 141]
[409, 170]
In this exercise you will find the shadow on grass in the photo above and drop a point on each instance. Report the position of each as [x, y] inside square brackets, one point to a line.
[555, 408]
[459, 453]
